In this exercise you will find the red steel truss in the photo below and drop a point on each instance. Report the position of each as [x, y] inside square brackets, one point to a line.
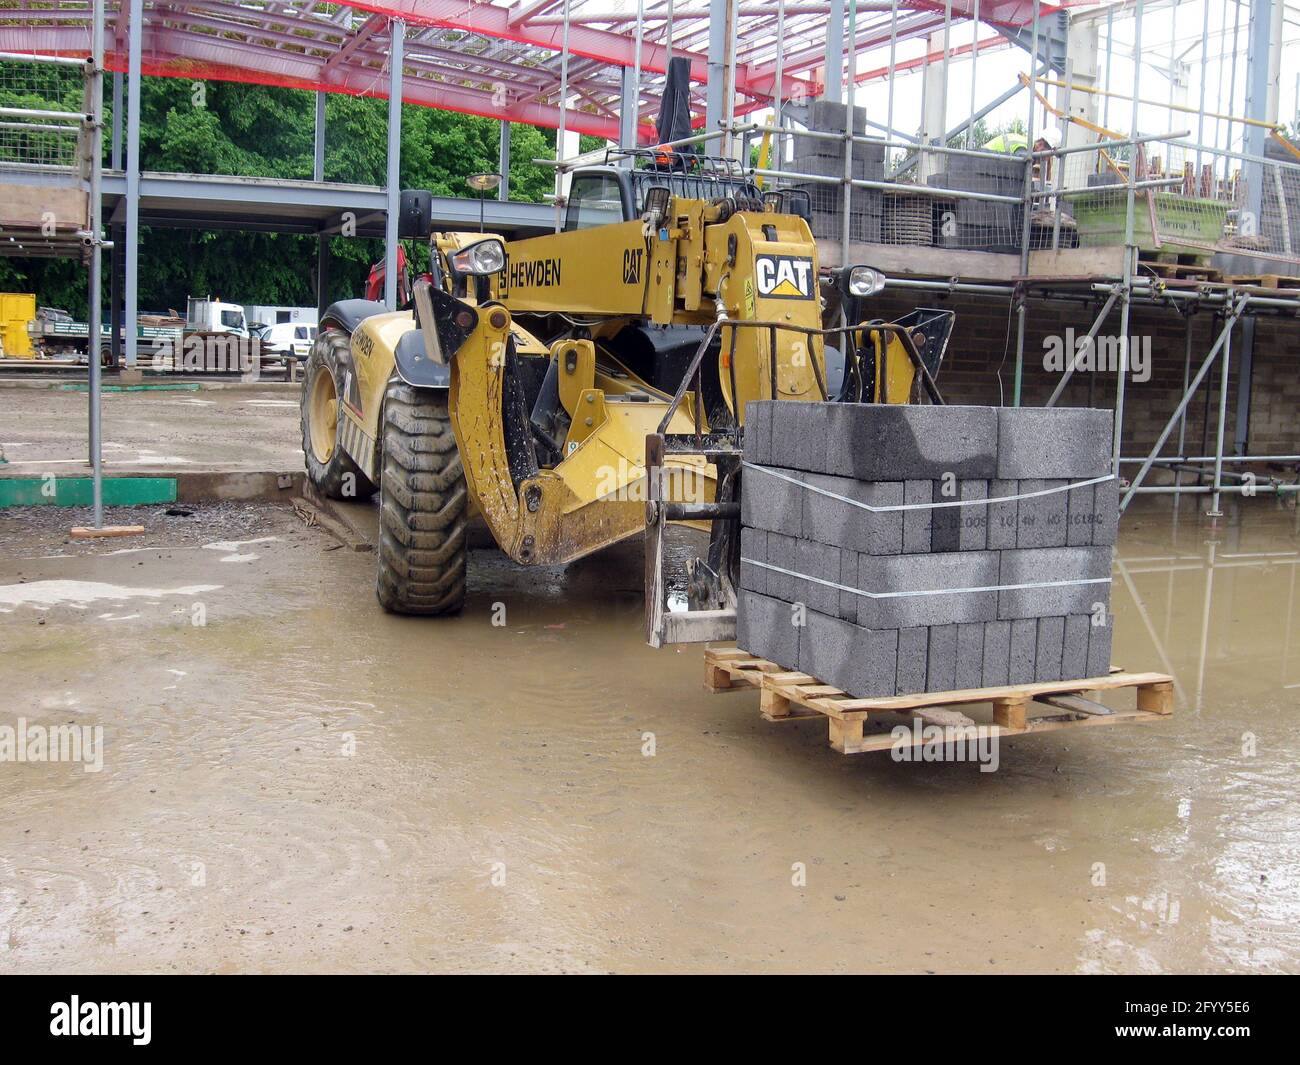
[496, 58]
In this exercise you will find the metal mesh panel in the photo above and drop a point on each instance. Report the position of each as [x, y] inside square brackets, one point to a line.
[1197, 203]
[28, 138]
[29, 144]
[969, 202]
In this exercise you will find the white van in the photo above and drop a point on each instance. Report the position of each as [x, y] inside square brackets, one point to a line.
[289, 336]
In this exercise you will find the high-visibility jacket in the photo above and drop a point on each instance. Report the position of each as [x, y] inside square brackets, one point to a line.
[1010, 143]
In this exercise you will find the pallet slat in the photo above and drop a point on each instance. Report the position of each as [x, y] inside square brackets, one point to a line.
[785, 695]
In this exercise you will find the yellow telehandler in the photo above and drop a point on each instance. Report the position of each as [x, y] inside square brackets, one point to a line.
[583, 387]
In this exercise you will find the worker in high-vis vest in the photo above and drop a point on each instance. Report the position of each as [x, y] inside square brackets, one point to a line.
[1018, 144]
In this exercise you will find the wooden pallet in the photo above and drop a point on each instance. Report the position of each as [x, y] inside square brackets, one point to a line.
[1275, 281]
[1180, 271]
[789, 696]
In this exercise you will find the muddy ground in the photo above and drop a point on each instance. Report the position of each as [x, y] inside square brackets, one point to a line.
[302, 783]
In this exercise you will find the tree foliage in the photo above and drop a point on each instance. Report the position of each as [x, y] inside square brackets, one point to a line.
[256, 131]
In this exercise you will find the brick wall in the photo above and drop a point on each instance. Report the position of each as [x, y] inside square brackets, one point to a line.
[984, 340]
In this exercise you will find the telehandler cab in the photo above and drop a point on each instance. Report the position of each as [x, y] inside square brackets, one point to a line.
[582, 387]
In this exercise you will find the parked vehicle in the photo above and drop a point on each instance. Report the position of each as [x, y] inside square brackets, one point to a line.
[289, 338]
[213, 316]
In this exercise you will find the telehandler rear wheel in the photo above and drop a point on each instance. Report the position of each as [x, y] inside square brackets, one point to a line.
[330, 469]
[423, 508]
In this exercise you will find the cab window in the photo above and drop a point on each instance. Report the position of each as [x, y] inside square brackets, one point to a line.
[594, 200]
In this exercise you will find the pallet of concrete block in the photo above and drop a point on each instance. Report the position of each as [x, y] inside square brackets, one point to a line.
[860, 725]
[901, 549]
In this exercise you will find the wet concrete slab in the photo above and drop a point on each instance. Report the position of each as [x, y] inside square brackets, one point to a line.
[250, 427]
[302, 782]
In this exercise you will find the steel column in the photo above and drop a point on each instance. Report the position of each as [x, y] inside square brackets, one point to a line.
[115, 160]
[135, 52]
[715, 106]
[627, 115]
[393, 187]
[834, 88]
[503, 162]
[318, 160]
[96, 131]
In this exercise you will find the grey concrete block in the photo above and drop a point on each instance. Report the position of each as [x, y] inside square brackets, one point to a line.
[832, 521]
[889, 441]
[1094, 514]
[820, 562]
[1047, 442]
[913, 649]
[1105, 504]
[916, 523]
[764, 629]
[947, 572]
[997, 653]
[1041, 520]
[1047, 655]
[1074, 650]
[1003, 517]
[859, 661]
[1099, 646]
[799, 435]
[969, 672]
[849, 579]
[1080, 515]
[945, 522]
[753, 545]
[974, 533]
[1044, 565]
[1022, 659]
[941, 659]
[758, 432]
[781, 552]
[768, 502]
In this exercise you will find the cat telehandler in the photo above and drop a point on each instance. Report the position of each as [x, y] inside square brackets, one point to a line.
[586, 386]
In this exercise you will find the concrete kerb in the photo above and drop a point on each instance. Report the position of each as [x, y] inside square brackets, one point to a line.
[188, 486]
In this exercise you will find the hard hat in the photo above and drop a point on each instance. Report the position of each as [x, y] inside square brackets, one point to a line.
[1051, 136]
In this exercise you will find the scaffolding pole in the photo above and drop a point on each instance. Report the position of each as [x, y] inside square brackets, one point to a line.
[95, 92]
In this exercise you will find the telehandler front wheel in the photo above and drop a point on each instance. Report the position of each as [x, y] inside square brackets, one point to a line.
[423, 507]
[330, 469]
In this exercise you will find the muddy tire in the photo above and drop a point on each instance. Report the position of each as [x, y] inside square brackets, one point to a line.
[423, 506]
[330, 469]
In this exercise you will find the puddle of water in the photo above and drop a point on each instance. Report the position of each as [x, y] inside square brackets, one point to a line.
[334, 788]
[55, 593]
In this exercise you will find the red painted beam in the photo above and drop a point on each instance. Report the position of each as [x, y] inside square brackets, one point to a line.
[492, 21]
[194, 56]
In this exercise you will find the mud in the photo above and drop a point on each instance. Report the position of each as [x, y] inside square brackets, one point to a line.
[303, 783]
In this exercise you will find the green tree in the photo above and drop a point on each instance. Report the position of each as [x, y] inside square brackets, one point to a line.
[258, 131]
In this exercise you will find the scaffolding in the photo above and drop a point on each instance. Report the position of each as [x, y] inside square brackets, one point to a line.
[1076, 203]
[39, 139]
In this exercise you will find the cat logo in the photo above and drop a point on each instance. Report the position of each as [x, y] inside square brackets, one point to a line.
[788, 277]
[632, 265]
